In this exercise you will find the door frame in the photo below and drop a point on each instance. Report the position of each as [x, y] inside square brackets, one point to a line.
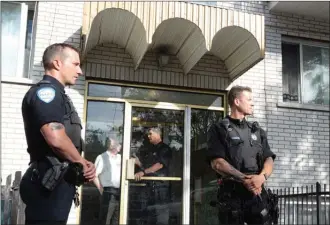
[128, 104]
[125, 157]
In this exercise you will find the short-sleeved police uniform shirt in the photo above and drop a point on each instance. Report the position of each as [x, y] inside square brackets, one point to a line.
[217, 147]
[159, 153]
[41, 105]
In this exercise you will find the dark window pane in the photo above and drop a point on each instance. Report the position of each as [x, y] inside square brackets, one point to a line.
[291, 71]
[28, 41]
[203, 183]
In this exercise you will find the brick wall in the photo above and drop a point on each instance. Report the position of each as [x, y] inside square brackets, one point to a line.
[110, 61]
[299, 137]
[13, 144]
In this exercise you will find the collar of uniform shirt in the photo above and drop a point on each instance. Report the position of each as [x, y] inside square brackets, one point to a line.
[54, 81]
[237, 122]
[157, 146]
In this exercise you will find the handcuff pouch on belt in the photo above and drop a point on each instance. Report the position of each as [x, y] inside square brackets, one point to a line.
[70, 172]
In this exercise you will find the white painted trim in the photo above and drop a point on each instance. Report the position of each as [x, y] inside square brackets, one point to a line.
[186, 167]
[16, 79]
[272, 4]
[21, 49]
[323, 44]
[300, 106]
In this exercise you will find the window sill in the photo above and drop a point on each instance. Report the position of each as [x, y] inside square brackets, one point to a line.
[16, 80]
[294, 105]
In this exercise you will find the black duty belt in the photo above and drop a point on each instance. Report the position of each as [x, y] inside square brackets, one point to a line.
[110, 188]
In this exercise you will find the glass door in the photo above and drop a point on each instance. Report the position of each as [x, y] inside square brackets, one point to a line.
[203, 181]
[103, 141]
[152, 185]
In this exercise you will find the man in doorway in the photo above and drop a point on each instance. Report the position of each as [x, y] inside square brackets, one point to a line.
[155, 162]
[107, 181]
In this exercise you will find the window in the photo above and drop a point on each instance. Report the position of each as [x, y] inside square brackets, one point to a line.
[305, 66]
[148, 94]
[16, 38]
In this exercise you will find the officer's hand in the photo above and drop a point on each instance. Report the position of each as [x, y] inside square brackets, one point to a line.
[138, 176]
[257, 181]
[253, 183]
[89, 171]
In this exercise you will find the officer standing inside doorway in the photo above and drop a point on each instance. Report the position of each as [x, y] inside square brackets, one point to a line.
[239, 152]
[155, 162]
[53, 134]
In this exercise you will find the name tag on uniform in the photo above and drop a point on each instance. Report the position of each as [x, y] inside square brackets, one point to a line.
[235, 138]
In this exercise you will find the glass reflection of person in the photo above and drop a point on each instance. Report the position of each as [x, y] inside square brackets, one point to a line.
[155, 162]
[107, 181]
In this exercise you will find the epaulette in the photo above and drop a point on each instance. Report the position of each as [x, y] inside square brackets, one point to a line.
[43, 82]
[225, 122]
[48, 82]
[254, 126]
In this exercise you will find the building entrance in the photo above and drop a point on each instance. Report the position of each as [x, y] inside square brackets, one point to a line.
[179, 186]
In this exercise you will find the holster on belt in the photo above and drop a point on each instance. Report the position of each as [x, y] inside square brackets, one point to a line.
[70, 172]
[54, 175]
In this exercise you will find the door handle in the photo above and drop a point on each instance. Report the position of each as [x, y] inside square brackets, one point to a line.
[130, 169]
[130, 173]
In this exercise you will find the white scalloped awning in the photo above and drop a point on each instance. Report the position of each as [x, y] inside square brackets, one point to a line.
[187, 30]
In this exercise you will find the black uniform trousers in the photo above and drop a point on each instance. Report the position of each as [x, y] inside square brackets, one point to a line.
[241, 205]
[43, 206]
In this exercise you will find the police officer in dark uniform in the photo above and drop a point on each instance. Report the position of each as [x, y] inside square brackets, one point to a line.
[52, 129]
[155, 162]
[239, 152]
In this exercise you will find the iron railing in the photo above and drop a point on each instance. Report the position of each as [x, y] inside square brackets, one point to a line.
[304, 205]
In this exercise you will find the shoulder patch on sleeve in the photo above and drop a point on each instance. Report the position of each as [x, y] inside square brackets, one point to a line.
[46, 94]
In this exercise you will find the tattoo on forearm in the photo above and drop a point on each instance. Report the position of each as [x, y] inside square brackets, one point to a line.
[56, 126]
[229, 170]
[236, 174]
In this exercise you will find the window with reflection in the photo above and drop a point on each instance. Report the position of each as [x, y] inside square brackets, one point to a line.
[17, 25]
[103, 141]
[148, 94]
[305, 66]
[203, 185]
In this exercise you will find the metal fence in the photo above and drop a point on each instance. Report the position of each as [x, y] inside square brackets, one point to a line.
[304, 205]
